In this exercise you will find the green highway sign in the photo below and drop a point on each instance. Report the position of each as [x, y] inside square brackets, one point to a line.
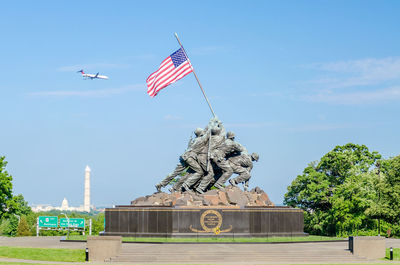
[48, 221]
[73, 222]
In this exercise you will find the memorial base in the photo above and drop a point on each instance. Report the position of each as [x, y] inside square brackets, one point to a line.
[129, 221]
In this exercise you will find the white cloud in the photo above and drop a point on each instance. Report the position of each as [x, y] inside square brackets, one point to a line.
[250, 125]
[323, 127]
[89, 93]
[172, 117]
[364, 72]
[92, 66]
[356, 82]
[355, 98]
[230, 126]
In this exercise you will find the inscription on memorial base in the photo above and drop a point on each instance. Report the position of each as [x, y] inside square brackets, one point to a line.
[202, 222]
[211, 221]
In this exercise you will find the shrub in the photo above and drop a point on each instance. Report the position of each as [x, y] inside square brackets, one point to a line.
[23, 227]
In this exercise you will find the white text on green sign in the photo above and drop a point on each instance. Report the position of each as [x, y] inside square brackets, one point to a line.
[48, 221]
[73, 222]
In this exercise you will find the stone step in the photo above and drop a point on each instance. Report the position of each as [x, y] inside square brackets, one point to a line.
[182, 260]
[244, 254]
[250, 257]
[232, 257]
[235, 255]
[250, 260]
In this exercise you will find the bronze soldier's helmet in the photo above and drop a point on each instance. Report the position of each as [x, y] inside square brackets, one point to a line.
[230, 135]
[199, 132]
[215, 130]
[255, 156]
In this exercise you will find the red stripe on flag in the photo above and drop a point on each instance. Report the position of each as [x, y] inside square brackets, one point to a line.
[150, 80]
[166, 75]
[172, 77]
[176, 79]
[183, 71]
[160, 75]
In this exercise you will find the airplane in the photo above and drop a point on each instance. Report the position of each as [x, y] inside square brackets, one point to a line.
[92, 76]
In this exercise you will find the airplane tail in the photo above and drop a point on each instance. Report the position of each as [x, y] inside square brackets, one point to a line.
[81, 71]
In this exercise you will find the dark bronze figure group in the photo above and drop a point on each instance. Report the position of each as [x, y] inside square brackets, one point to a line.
[210, 160]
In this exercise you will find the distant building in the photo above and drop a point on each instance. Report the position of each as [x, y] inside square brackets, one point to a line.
[86, 207]
[64, 205]
[86, 199]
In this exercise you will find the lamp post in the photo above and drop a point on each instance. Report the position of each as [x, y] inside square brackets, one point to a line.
[67, 223]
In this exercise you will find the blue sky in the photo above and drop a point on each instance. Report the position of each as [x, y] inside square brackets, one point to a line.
[292, 79]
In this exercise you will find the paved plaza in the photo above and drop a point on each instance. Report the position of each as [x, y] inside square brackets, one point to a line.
[145, 253]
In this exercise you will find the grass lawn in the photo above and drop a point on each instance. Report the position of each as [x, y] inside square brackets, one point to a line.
[22, 263]
[220, 239]
[396, 254]
[45, 254]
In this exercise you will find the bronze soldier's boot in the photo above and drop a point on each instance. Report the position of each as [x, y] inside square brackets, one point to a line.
[233, 182]
[218, 186]
[246, 185]
[200, 191]
[185, 187]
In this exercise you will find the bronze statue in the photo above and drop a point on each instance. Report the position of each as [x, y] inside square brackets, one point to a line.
[210, 160]
[242, 165]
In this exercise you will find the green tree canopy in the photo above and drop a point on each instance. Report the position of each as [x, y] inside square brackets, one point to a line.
[389, 204]
[18, 206]
[5, 187]
[11, 207]
[23, 227]
[336, 191]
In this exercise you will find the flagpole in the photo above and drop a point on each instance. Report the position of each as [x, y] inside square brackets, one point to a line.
[198, 81]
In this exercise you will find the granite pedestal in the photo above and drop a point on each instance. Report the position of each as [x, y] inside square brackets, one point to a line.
[103, 248]
[229, 221]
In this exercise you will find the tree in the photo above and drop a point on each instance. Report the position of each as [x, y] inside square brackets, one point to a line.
[98, 224]
[389, 205]
[351, 201]
[23, 227]
[10, 226]
[18, 206]
[4, 224]
[10, 206]
[336, 191]
[5, 187]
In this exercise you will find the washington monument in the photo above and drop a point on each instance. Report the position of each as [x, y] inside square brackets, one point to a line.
[86, 201]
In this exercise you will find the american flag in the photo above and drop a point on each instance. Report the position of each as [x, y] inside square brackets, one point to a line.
[175, 67]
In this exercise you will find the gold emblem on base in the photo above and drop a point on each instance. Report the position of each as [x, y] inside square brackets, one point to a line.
[211, 222]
